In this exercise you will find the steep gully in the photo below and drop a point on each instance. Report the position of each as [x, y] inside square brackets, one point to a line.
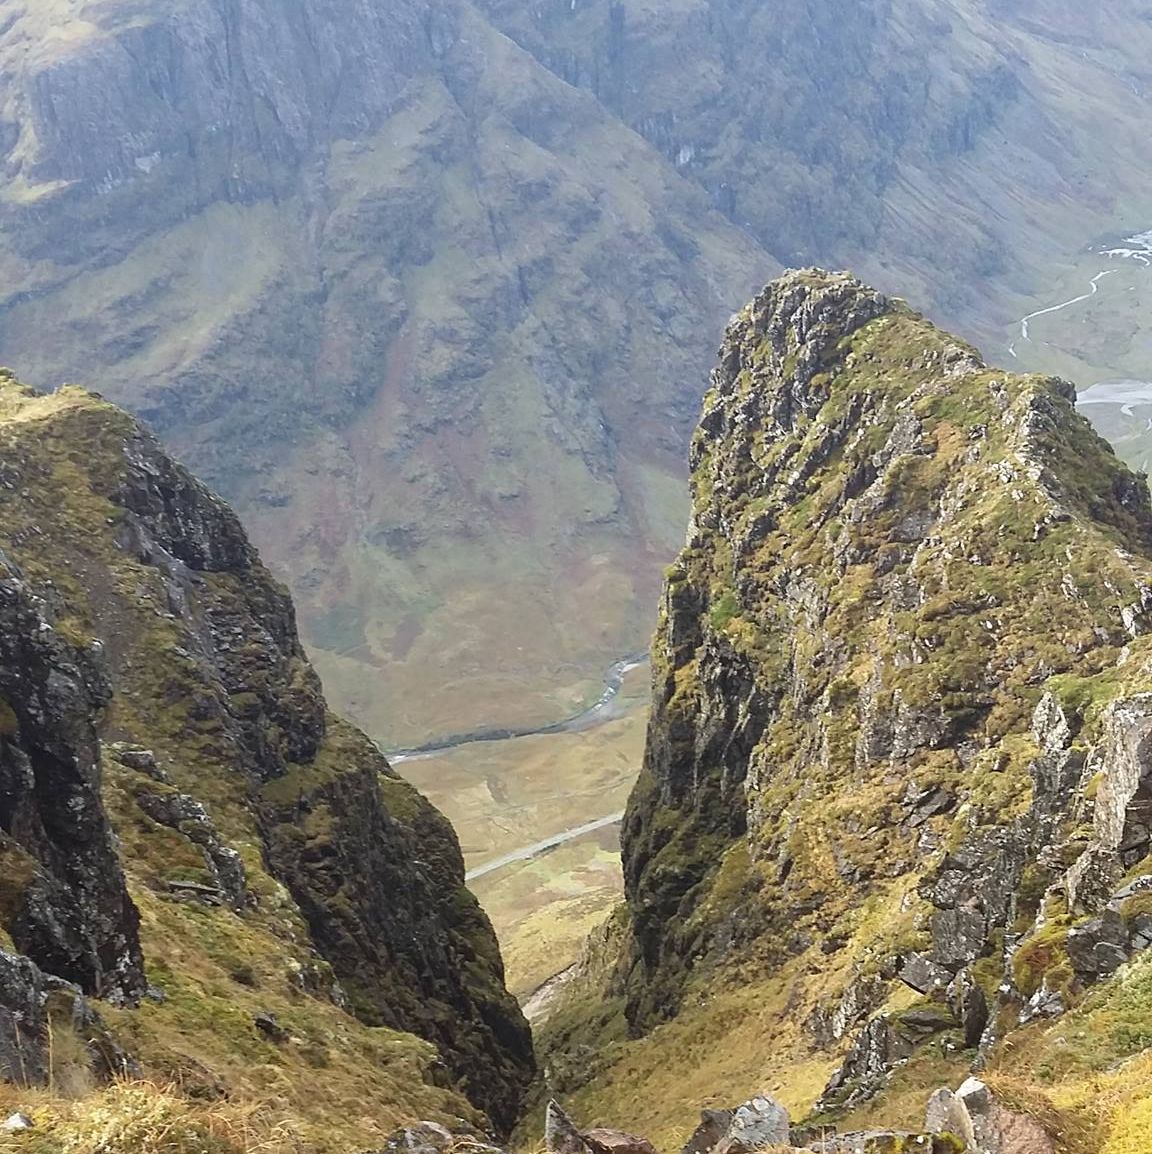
[596, 714]
[1137, 248]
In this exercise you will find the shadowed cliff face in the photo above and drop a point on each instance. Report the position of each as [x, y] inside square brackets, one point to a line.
[223, 769]
[900, 717]
[233, 97]
[65, 903]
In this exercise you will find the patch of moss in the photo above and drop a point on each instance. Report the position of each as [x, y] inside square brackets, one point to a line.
[1043, 959]
[724, 609]
[9, 722]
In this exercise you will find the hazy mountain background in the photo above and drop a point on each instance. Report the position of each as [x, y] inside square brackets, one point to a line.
[430, 290]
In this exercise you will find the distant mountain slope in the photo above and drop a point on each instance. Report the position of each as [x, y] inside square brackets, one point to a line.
[188, 834]
[953, 150]
[427, 289]
[431, 316]
[893, 817]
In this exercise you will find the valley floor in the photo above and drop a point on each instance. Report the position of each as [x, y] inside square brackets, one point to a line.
[506, 796]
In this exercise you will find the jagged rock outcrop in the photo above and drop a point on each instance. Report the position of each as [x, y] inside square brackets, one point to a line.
[65, 904]
[901, 661]
[135, 611]
[34, 1006]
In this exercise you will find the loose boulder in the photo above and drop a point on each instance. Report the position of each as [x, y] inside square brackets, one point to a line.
[561, 1135]
[707, 1136]
[756, 1124]
[998, 1130]
[947, 1114]
[601, 1141]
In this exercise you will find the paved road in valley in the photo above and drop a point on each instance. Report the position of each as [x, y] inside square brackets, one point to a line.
[531, 851]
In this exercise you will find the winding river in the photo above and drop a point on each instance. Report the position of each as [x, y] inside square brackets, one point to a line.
[1136, 248]
[596, 714]
[599, 712]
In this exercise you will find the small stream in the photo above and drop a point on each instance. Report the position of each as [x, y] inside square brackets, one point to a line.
[1137, 248]
[596, 714]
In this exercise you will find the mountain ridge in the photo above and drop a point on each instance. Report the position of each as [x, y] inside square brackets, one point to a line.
[893, 794]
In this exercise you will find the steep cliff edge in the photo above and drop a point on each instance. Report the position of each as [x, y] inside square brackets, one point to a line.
[895, 797]
[165, 748]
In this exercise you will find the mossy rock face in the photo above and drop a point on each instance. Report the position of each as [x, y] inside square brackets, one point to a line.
[910, 612]
[65, 902]
[379, 877]
[9, 722]
[277, 854]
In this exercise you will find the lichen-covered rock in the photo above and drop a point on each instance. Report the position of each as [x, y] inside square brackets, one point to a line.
[713, 1126]
[64, 900]
[922, 974]
[561, 1134]
[901, 664]
[1121, 831]
[758, 1123]
[997, 1129]
[38, 1011]
[865, 1069]
[185, 814]
[947, 1114]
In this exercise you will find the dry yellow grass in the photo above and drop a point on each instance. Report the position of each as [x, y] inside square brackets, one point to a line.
[501, 795]
[141, 1117]
[544, 909]
[506, 794]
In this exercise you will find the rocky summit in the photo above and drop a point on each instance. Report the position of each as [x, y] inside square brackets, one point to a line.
[893, 820]
[208, 879]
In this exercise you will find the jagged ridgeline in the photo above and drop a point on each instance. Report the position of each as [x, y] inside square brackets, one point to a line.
[895, 803]
[187, 834]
